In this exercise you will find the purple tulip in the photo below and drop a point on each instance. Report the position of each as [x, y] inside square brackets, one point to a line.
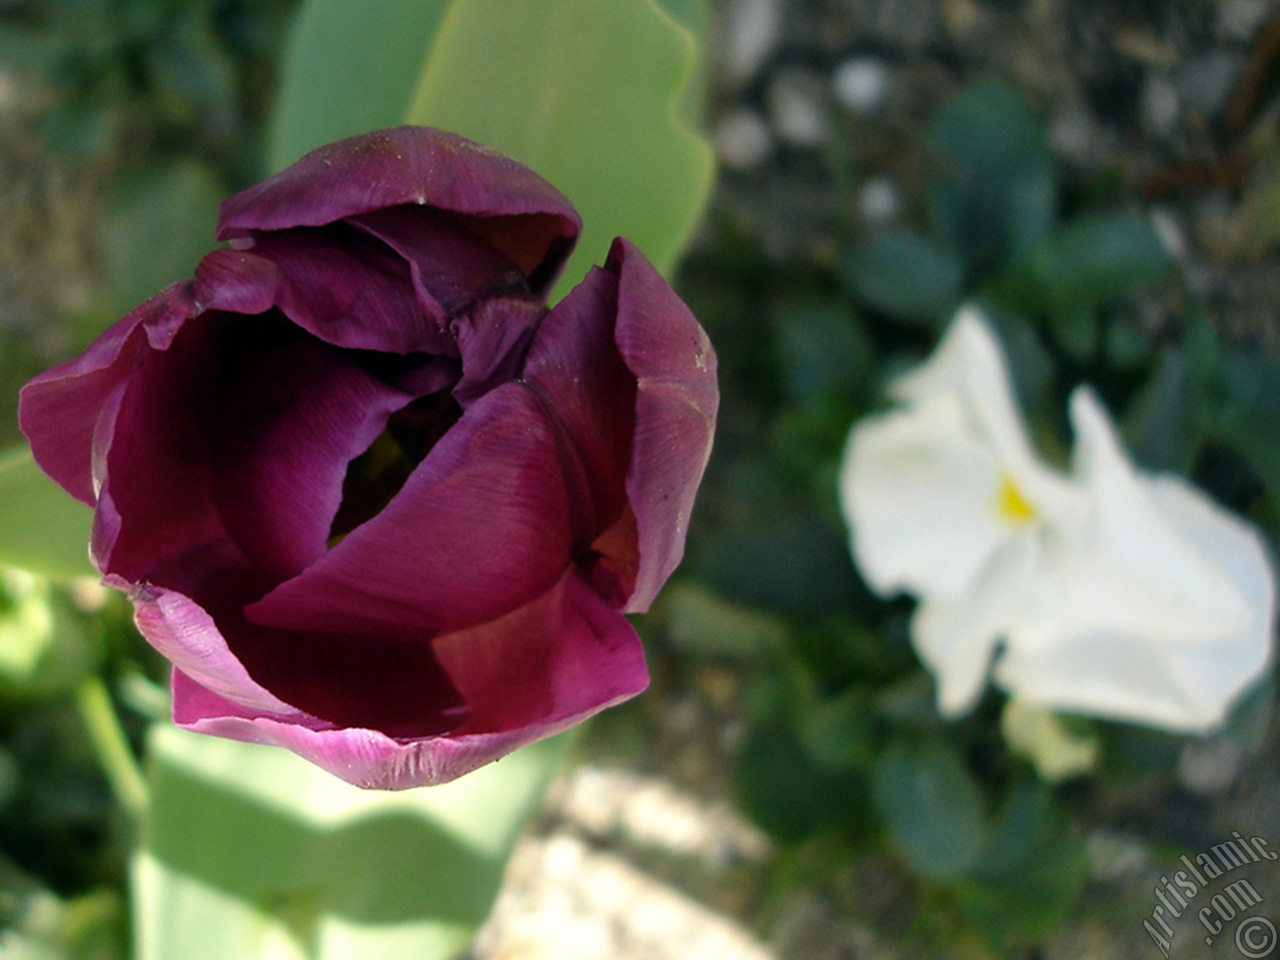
[374, 501]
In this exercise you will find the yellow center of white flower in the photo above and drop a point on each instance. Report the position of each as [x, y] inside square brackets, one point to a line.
[1011, 505]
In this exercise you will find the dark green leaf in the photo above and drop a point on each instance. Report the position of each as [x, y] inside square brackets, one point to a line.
[931, 807]
[906, 276]
[788, 795]
[1030, 870]
[822, 350]
[699, 622]
[993, 194]
[1164, 422]
[797, 565]
[1094, 259]
[838, 732]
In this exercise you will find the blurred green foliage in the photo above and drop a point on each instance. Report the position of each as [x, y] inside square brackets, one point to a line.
[845, 747]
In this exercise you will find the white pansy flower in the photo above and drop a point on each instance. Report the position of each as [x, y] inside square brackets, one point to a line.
[1109, 591]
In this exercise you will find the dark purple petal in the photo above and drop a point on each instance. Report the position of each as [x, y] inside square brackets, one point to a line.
[492, 338]
[676, 403]
[59, 410]
[451, 266]
[242, 431]
[480, 528]
[575, 367]
[156, 457]
[561, 658]
[415, 166]
[235, 281]
[529, 675]
[351, 290]
[289, 414]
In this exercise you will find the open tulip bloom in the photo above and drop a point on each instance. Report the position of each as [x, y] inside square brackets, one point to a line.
[374, 501]
[1103, 591]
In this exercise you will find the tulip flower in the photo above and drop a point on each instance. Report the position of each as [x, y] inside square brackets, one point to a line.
[372, 498]
[1101, 590]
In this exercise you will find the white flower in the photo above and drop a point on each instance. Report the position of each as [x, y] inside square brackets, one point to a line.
[1107, 591]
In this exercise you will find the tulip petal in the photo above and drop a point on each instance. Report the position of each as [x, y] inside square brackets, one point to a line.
[235, 281]
[245, 416]
[450, 265]
[291, 414]
[676, 403]
[493, 337]
[58, 410]
[185, 634]
[481, 527]
[574, 366]
[352, 291]
[529, 675]
[535, 225]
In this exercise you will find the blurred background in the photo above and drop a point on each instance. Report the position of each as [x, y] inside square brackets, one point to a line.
[786, 789]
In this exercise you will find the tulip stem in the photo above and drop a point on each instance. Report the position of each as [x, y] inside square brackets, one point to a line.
[111, 746]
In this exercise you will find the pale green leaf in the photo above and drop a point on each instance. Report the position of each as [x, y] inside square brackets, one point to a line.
[252, 852]
[42, 528]
[349, 68]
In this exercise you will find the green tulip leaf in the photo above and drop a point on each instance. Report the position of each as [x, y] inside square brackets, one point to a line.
[349, 68]
[42, 529]
[253, 852]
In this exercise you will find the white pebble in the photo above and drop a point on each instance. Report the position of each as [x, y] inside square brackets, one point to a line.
[743, 139]
[878, 201]
[861, 84]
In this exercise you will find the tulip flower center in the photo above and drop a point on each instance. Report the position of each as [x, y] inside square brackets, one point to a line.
[1011, 505]
[376, 476]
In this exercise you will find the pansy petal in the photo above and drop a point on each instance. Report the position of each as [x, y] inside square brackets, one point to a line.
[481, 527]
[536, 227]
[58, 410]
[527, 676]
[1166, 553]
[968, 365]
[1122, 676]
[921, 497]
[676, 404]
[957, 635]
